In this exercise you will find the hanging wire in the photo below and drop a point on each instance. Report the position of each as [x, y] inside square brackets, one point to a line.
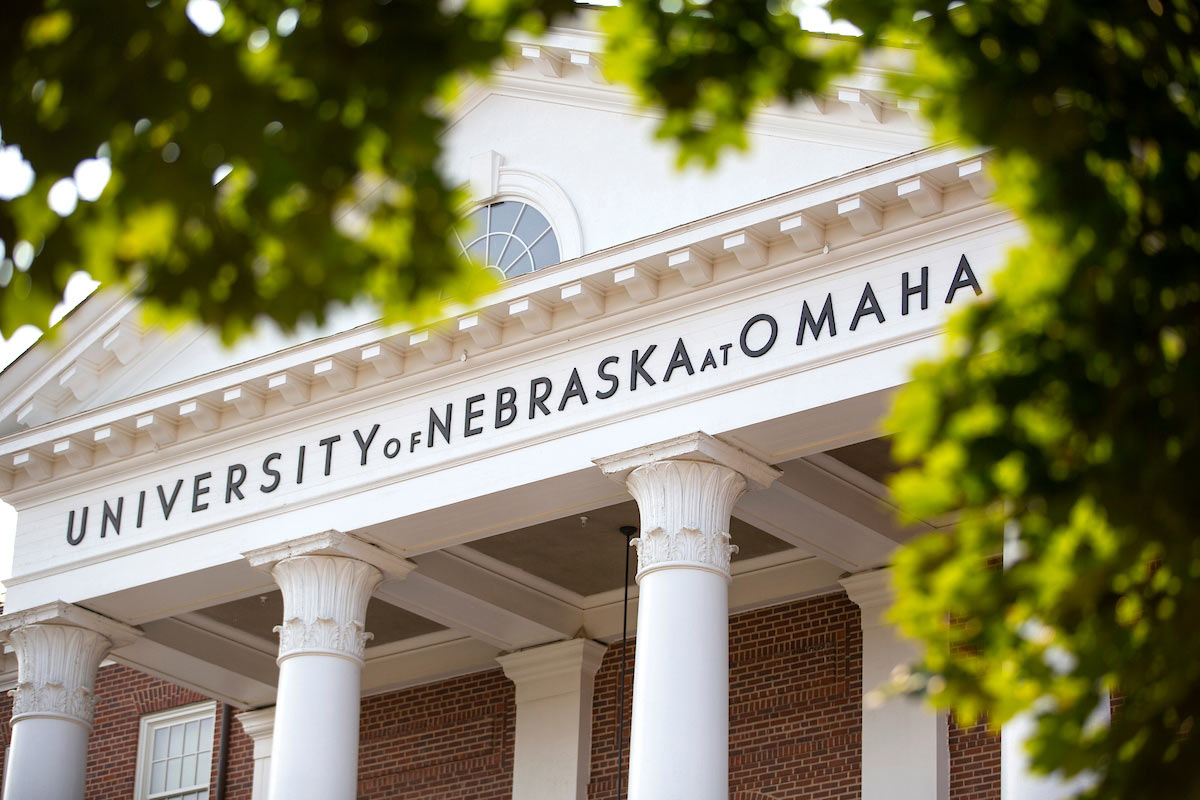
[628, 531]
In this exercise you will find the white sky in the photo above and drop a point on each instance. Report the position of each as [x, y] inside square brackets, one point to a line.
[91, 175]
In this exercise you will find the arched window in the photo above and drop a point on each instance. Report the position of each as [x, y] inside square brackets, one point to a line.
[511, 237]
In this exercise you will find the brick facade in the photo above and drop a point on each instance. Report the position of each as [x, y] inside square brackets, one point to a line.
[974, 763]
[795, 705]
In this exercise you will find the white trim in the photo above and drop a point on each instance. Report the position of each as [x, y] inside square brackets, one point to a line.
[152, 722]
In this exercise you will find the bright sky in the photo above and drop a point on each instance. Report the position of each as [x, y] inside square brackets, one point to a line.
[92, 174]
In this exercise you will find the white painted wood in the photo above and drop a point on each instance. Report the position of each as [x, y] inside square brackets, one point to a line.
[914, 765]
[259, 725]
[553, 749]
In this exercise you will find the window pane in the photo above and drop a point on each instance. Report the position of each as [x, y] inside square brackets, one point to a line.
[173, 774]
[515, 249]
[504, 216]
[176, 748]
[545, 252]
[187, 773]
[522, 265]
[158, 777]
[160, 743]
[531, 225]
[191, 737]
[206, 734]
[475, 251]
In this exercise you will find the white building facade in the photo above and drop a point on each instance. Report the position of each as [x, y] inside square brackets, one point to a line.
[704, 356]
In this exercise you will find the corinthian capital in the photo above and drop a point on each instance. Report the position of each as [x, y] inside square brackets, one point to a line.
[59, 647]
[685, 490]
[324, 605]
[326, 579]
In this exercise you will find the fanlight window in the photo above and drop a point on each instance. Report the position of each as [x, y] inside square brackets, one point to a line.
[510, 237]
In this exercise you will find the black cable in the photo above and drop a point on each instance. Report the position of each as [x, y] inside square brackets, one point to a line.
[628, 531]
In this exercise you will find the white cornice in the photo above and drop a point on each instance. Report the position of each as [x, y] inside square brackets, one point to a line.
[602, 273]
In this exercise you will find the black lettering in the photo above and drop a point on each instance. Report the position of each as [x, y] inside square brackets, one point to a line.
[71, 538]
[743, 340]
[109, 516]
[162, 498]
[574, 389]
[328, 445]
[867, 304]
[539, 392]
[725, 354]
[141, 507]
[392, 452]
[365, 444]
[807, 323]
[414, 439]
[638, 368]
[274, 473]
[199, 491]
[506, 406]
[436, 422]
[921, 288]
[613, 381]
[234, 486]
[709, 361]
[679, 359]
[963, 276]
[470, 413]
[300, 466]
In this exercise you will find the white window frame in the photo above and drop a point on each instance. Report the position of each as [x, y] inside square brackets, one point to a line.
[152, 722]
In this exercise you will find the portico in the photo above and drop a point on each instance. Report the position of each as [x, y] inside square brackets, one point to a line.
[300, 530]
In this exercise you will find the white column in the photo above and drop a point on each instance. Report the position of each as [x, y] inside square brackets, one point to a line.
[905, 744]
[1019, 782]
[259, 725]
[553, 754]
[685, 489]
[326, 580]
[59, 647]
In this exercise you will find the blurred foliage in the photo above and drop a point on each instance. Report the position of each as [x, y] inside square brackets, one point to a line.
[304, 108]
[1063, 418]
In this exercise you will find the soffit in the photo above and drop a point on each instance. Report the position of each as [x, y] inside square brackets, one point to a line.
[258, 616]
[872, 458]
[588, 558]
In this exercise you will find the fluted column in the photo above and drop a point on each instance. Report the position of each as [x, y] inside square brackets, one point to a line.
[685, 490]
[326, 580]
[53, 703]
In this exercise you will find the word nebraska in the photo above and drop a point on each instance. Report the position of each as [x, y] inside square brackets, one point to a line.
[759, 335]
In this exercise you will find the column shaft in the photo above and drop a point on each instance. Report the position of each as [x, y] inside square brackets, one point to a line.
[315, 751]
[53, 704]
[679, 735]
[685, 489]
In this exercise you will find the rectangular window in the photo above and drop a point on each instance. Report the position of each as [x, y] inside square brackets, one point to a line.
[175, 753]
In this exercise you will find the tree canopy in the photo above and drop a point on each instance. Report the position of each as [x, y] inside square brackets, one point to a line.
[1062, 420]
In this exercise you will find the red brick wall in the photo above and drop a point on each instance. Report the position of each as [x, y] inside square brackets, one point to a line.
[452, 740]
[974, 763]
[795, 710]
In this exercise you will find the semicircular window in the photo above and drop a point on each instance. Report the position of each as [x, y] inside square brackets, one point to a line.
[510, 237]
